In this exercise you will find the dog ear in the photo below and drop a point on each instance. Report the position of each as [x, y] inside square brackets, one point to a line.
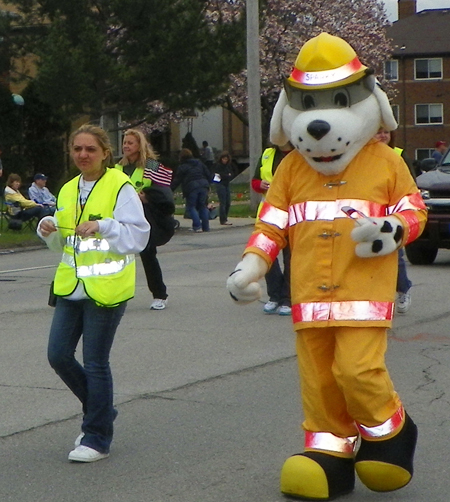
[387, 116]
[277, 135]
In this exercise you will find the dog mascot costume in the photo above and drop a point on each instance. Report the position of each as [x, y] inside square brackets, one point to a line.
[347, 203]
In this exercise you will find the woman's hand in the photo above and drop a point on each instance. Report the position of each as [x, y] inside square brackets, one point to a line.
[87, 228]
[143, 197]
[46, 227]
[265, 185]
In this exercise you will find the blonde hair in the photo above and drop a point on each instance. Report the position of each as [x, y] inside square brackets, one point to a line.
[101, 137]
[145, 149]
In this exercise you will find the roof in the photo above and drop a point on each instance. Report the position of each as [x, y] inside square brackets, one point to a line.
[425, 33]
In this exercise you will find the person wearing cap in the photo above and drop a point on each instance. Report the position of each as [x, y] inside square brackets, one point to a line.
[439, 149]
[152, 183]
[39, 192]
[345, 203]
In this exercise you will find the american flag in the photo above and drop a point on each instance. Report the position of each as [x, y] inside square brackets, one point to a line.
[159, 174]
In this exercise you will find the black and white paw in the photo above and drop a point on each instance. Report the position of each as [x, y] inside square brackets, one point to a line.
[377, 236]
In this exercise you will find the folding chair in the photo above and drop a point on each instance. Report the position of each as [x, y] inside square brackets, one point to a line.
[17, 224]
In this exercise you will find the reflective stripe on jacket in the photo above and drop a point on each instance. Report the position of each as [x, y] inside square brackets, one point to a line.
[108, 277]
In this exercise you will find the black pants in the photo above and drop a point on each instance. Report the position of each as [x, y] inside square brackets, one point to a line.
[279, 281]
[153, 273]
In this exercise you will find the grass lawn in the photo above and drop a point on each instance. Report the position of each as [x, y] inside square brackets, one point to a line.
[13, 239]
[240, 201]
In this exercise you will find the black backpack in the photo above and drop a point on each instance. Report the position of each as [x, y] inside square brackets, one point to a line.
[159, 210]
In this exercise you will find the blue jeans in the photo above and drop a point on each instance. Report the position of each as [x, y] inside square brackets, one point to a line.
[196, 205]
[403, 282]
[91, 383]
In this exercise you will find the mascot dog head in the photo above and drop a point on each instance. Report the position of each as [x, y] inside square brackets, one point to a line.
[331, 105]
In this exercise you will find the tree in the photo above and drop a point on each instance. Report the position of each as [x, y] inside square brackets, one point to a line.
[138, 57]
[287, 24]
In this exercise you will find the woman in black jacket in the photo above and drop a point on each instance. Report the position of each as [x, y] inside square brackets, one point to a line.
[194, 178]
[223, 173]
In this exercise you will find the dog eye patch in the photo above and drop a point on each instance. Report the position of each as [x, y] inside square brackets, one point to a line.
[337, 97]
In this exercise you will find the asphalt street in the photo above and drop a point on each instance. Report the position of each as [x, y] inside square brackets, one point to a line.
[207, 392]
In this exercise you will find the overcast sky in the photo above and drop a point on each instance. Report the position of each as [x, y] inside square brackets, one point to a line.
[391, 6]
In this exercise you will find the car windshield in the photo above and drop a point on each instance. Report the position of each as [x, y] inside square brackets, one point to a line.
[446, 159]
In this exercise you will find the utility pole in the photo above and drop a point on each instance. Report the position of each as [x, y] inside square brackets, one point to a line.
[254, 91]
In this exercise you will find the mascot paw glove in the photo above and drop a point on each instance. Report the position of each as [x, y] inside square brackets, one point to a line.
[377, 236]
[243, 282]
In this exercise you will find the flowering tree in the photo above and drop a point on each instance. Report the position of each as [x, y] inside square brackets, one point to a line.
[287, 24]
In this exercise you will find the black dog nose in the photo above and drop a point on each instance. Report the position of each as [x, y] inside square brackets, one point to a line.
[318, 129]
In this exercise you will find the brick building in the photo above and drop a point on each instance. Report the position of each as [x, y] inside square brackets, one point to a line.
[420, 72]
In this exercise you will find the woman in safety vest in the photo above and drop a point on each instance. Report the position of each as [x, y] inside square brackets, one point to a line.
[151, 181]
[99, 224]
[403, 302]
[277, 280]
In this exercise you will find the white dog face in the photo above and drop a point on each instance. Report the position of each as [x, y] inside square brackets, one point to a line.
[329, 138]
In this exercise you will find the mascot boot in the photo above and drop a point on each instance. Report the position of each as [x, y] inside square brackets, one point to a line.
[384, 461]
[324, 471]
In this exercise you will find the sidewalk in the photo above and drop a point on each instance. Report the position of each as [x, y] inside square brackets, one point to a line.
[186, 224]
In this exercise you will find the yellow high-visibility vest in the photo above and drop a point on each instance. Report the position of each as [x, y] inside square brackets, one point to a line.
[108, 277]
[266, 170]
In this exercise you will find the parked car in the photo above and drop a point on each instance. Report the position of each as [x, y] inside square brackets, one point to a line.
[434, 185]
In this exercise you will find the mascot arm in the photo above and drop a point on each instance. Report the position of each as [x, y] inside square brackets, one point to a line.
[242, 284]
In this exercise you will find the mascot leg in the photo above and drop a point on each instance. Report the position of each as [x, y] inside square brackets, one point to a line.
[384, 461]
[326, 468]
[320, 474]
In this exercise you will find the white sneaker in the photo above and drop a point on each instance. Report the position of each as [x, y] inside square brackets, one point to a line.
[158, 304]
[270, 307]
[284, 310]
[403, 302]
[78, 440]
[86, 454]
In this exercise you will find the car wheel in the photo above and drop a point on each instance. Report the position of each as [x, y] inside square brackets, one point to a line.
[421, 253]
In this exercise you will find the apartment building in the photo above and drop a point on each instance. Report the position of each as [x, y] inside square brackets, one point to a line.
[420, 72]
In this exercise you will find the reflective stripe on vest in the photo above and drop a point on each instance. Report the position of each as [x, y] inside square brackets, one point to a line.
[96, 269]
[329, 442]
[108, 277]
[385, 429]
[342, 311]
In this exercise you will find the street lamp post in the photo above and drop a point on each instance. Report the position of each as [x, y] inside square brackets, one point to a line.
[254, 90]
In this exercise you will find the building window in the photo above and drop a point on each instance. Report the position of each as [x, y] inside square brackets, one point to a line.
[391, 70]
[396, 112]
[428, 68]
[429, 114]
[423, 153]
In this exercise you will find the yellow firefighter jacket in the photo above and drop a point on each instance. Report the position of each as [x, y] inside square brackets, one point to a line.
[330, 285]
